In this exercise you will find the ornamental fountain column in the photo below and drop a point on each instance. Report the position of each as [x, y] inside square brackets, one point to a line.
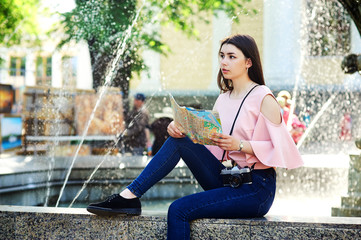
[351, 204]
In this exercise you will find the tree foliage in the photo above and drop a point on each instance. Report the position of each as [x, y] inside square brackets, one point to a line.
[18, 21]
[103, 24]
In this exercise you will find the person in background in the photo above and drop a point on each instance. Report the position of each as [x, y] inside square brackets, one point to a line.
[282, 102]
[135, 138]
[346, 126]
[297, 130]
[286, 104]
[159, 128]
[297, 127]
[259, 143]
[307, 117]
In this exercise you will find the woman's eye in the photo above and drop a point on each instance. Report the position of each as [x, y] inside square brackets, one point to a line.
[231, 57]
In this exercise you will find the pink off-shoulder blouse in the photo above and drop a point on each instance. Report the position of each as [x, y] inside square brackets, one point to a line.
[271, 143]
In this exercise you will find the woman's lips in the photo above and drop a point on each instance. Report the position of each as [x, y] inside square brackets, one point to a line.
[225, 70]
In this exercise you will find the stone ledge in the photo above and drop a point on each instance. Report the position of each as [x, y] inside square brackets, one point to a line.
[19, 222]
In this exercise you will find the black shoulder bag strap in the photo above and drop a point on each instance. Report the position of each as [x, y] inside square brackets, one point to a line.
[234, 122]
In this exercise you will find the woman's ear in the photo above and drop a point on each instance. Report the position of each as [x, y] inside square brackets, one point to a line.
[249, 62]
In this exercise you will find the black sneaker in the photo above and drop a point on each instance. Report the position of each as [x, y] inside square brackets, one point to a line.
[116, 204]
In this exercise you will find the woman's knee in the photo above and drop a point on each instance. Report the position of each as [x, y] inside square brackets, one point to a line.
[173, 141]
[176, 210]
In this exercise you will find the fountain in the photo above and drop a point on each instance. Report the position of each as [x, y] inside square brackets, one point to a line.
[73, 181]
[50, 180]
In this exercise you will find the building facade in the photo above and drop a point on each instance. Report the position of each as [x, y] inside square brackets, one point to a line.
[280, 28]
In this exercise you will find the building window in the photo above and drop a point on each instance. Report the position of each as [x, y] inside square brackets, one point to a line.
[43, 71]
[17, 66]
[328, 28]
[69, 71]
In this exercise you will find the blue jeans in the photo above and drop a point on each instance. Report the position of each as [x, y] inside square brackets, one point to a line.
[217, 201]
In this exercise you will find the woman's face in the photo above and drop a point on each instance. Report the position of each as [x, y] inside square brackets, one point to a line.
[233, 63]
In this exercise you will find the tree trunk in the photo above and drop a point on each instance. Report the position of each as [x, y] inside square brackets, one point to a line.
[100, 62]
[354, 9]
[121, 80]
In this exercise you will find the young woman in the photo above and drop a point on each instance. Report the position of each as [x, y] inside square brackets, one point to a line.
[259, 141]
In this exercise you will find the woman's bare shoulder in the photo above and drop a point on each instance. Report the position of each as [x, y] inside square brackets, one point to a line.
[271, 109]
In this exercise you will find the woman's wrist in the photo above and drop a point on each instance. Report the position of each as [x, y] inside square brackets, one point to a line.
[240, 145]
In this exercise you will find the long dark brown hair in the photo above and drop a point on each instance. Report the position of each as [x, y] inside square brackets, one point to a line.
[249, 48]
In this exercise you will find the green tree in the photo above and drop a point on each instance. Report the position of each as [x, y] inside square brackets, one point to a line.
[104, 23]
[17, 19]
[18, 22]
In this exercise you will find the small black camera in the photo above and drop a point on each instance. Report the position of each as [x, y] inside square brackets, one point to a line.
[235, 177]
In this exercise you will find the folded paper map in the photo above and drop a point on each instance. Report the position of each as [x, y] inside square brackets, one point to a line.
[197, 124]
